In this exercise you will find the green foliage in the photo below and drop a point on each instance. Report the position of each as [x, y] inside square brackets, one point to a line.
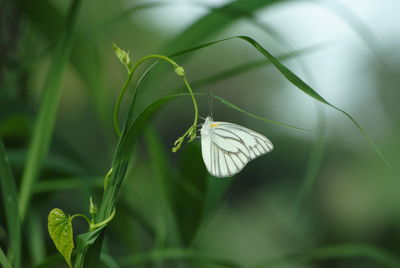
[123, 57]
[60, 230]
[10, 204]
[337, 252]
[43, 128]
[3, 260]
[175, 213]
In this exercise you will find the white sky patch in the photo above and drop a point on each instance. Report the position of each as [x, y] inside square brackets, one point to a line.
[175, 16]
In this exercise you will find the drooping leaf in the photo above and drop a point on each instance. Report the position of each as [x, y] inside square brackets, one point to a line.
[60, 230]
[290, 76]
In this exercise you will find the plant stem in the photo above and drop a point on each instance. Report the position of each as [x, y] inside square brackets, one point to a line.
[128, 80]
[196, 110]
[82, 216]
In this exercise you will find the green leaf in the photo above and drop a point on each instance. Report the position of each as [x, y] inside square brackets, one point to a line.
[10, 201]
[122, 56]
[88, 248]
[60, 230]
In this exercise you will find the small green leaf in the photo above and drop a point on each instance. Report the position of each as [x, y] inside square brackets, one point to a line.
[123, 56]
[60, 230]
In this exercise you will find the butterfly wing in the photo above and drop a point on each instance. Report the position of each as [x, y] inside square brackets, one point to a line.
[229, 147]
[256, 143]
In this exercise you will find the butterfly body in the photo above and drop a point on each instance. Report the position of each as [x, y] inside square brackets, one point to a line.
[227, 147]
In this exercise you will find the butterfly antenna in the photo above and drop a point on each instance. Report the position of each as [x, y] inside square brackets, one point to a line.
[210, 103]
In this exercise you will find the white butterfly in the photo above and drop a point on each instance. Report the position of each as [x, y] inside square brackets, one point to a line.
[227, 147]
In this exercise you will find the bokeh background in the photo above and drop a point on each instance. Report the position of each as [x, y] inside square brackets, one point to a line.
[317, 191]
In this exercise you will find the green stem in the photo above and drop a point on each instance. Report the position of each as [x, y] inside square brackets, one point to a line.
[97, 225]
[128, 80]
[82, 216]
[196, 110]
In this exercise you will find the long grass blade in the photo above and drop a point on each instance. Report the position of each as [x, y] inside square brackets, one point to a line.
[89, 244]
[240, 69]
[36, 243]
[3, 260]
[216, 20]
[44, 125]
[338, 252]
[237, 108]
[314, 164]
[64, 184]
[190, 198]
[90, 68]
[162, 171]
[295, 80]
[10, 203]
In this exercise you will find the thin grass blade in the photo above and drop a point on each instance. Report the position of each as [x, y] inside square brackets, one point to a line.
[314, 164]
[36, 243]
[3, 260]
[10, 203]
[237, 70]
[237, 108]
[45, 120]
[64, 184]
[163, 173]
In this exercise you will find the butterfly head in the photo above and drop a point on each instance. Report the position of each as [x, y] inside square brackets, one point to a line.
[208, 125]
[209, 120]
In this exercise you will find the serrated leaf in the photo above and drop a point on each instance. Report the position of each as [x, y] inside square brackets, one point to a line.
[60, 230]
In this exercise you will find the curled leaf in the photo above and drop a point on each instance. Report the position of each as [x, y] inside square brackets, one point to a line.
[60, 230]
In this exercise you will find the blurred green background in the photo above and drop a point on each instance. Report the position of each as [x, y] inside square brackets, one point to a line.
[320, 199]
